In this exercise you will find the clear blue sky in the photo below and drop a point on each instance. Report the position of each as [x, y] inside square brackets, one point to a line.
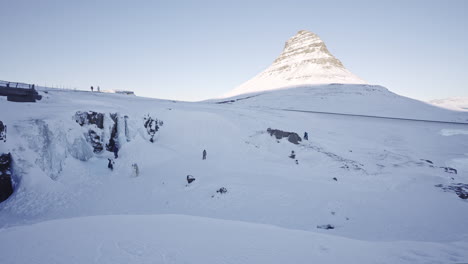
[193, 50]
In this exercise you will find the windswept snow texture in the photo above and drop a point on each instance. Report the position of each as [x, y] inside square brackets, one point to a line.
[305, 60]
[372, 179]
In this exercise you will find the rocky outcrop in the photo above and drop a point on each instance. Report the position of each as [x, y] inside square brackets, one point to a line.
[449, 170]
[90, 118]
[3, 130]
[460, 189]
[152, 126]
[113, 140]
[6, 185]
[279, 134]
[96, 132]
[95, 140]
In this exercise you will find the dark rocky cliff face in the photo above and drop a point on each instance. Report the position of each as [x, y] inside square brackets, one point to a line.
[6, 185]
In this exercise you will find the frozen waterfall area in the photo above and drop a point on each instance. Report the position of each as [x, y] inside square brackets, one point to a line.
[360, 189]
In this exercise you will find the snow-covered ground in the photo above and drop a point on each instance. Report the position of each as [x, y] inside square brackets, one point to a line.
[374, 180]
[454, 103]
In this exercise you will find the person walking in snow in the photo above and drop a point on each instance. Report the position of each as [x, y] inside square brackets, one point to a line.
[293, 155]
[98, 89]
[110, 165]
[116, 151]
[306, 136]
[92, 88]
[135, 170]
[204, 154]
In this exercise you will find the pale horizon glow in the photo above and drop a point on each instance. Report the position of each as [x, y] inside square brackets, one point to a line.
[203, 49]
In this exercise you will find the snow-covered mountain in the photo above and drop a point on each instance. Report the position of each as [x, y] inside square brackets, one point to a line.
[361, 189]
[305, 60]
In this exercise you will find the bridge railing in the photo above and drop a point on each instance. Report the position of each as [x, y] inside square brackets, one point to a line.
[15, 85]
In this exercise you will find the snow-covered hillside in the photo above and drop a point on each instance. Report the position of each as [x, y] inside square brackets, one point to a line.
[360, 189]
[454, 103]
[305, 60]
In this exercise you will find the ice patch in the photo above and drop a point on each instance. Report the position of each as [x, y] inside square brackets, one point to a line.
[453, 132]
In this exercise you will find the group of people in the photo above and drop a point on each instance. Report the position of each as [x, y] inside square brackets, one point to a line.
[98, 89]
[111, 163]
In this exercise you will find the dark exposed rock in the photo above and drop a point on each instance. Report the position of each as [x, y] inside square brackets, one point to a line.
[6, 185]
[95, 141]
[460, 189]
[279, 134]
[127, 130]
[222, 190]
[90, 117]
[449, 170]
[3, 130]
[113, 143]
[190, 178]
[327, 226]
[335, 179]
[428, 161]
[152, 126]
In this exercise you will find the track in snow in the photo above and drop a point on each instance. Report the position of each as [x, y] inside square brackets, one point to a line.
[370, 116]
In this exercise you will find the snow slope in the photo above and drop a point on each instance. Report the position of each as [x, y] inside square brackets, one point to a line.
[188, 239]
[354, 99]
[305, 60]
[453, 103]
[383, 200]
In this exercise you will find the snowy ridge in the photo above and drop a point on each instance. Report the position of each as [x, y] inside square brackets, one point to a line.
[305, 60]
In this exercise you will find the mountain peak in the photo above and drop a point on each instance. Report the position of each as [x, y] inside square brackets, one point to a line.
[305, 60]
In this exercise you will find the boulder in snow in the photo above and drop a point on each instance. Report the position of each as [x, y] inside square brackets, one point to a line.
[222, 190]
[279, 134]
[327, 226]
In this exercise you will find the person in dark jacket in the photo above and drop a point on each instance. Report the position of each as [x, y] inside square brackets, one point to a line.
[116, 152]
[204, 154]
[306, 136]
[110, 165]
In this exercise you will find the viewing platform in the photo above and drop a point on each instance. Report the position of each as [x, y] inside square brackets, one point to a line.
[19, 92]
